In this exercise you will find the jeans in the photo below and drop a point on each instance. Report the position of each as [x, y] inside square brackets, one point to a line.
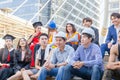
[57, 72]
[104, 47]
[93, 73]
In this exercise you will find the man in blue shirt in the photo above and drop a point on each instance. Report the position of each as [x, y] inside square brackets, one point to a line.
[59, 59]
[87, 61]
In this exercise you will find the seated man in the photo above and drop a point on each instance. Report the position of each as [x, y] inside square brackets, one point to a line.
[58, 60]
[41, 57]
[87, 61]
[113, 66]
[112, 34]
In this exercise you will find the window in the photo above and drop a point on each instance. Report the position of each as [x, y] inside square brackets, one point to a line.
[114, 5]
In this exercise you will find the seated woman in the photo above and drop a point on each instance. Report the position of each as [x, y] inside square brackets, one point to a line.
[34, 40]
[7, 57]
[41, 57]
[73, 37]
[22, 59]
[52, 30]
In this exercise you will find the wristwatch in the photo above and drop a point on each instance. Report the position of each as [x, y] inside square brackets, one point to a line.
[55, 65]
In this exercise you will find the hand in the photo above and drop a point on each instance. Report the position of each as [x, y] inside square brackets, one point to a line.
[78, 64]
[109, 45]
[34, 34]
[50, 66]
[112, 65]
[46, 64]
[23, 69]
[0, 64]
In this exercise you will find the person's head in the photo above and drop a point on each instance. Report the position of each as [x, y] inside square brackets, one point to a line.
[8, 40]
[87, 22]
[52, 26]
[60, 39]
[115, 18]
[22, 43]
[88, 36]
[70, 27]
[43, 39]
[37, 26]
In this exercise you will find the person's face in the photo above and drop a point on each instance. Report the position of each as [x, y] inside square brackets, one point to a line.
[23, 42]
[8, 42]
[69, 28]
[115, 20]
[38, 29]
[43, 40]
[85, 40]
[86, 23]
[60, 42]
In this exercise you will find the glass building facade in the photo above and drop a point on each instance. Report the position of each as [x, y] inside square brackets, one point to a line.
[75, 11]
[59, 10]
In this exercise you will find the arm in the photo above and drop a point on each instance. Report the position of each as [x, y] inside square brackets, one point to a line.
[30, 39]
[53, 40]
[108, 38]
[73, 39]
[113, 53]
[37, 62]
[75, 57]
[96, 40]
[53, 58]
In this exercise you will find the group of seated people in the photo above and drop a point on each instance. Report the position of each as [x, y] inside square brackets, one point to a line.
[62, 55]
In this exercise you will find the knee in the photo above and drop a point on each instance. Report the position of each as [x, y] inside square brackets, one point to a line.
[96, 68]
[43, 69]
[67, 67]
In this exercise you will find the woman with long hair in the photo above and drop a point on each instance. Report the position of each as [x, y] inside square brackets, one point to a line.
[72, 35]
[7, 57]
[22, 59]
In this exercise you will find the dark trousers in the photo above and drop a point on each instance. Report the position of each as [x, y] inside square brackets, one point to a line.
[111, 75]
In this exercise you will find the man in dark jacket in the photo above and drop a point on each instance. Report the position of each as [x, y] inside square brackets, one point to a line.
[87, 22]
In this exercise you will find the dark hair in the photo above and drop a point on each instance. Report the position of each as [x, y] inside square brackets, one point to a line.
[44, 34]
[37, 24]
[28, 52]
[73, 27]
[117, 15]
[87, 20]
[89, 36]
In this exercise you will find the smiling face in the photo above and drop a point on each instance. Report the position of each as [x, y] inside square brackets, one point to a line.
[87, 23]
[38, 29]
[60, 42]
[115, 20]
[69, 28]
[43, 40]
[22, 42]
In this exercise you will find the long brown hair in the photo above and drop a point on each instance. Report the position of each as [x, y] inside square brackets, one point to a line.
[28, 52]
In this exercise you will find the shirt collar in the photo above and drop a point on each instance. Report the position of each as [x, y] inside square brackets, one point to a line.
[65, 48]
[88, 46]
[11, 49]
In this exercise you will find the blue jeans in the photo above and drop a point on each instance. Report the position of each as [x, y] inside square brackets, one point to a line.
[57, 72]
[104, 47]
[94, 73]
